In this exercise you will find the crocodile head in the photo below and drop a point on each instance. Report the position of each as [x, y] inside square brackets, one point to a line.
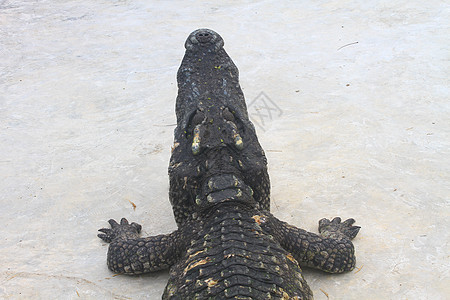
[216, 155]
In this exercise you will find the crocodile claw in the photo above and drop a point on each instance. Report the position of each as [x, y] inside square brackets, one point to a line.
[335, 228]
[122, 230]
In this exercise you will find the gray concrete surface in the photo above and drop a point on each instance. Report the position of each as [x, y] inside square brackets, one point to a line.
[87, 113]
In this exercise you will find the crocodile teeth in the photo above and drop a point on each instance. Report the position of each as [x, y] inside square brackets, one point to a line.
[238, 142]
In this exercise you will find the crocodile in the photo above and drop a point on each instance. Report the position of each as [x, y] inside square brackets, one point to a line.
[228, 245]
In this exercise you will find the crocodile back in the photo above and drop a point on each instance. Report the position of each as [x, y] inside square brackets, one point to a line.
[231, 257]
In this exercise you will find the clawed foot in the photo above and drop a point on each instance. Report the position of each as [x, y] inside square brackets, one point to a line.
[123, 231]
[336, 229]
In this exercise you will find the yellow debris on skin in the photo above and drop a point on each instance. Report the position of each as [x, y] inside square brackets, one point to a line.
[236, 181]
[259, 219]
[291, 258]
[211, 282]
[196, 264]
[196, 253]
[240, 164]
[287, 297]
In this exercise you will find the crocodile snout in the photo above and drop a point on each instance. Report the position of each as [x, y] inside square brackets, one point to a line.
[203, 36]
[204, 39]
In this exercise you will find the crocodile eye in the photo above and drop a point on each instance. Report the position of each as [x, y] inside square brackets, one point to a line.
[197, 118]
[229, 118]
[194, 126]
[228, 115]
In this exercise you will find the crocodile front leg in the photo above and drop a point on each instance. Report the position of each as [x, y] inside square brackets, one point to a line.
[332, 251]
[130, 254]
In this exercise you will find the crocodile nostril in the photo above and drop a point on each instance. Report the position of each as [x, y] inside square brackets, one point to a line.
[203, 37]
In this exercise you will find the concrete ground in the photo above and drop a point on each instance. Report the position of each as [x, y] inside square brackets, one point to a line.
[358, 126]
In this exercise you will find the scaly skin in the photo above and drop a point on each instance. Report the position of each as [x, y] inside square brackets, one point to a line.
[227, 245]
